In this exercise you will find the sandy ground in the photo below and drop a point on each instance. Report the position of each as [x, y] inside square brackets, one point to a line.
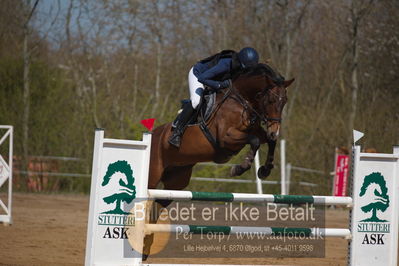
[51, 230]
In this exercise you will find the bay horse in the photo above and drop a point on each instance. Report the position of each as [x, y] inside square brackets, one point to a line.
[255, 97]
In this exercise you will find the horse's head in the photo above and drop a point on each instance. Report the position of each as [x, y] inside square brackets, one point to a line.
[272, 104]
[266, 90]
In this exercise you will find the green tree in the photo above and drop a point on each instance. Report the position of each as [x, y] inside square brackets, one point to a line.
[126, 193]
[381, 201]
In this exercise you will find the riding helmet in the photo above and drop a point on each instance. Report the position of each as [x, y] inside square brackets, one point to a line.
[248, 57]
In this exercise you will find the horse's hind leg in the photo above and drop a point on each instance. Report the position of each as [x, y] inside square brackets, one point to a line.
[177, 177]
[153, 210]
[237, 170]
[154, 215]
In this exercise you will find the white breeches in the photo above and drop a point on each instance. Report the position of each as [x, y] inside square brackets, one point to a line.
[196, 89]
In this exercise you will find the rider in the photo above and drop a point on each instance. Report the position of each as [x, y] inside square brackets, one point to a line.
[214, 72]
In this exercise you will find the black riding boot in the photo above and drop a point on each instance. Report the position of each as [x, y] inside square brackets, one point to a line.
[181, 123]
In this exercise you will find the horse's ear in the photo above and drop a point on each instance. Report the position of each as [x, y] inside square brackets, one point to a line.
[288, 82]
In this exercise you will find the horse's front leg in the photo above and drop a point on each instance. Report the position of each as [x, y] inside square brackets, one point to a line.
[264, 170]
[239, 169]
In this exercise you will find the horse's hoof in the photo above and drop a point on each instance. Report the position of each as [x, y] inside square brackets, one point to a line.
[144, 257]
[264, 171]
[236, 170]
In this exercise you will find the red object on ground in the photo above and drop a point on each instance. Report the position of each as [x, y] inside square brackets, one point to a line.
[148, 123]
[341, 175]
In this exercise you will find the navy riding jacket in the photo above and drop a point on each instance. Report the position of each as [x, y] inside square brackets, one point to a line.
[206, 74]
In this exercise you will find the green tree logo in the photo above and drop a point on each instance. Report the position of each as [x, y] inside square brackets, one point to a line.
[127, 191]
[381, 199]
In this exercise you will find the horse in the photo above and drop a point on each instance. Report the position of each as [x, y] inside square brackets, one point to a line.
[255, 97]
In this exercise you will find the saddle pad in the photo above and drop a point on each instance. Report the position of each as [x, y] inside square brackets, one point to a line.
[209, 102]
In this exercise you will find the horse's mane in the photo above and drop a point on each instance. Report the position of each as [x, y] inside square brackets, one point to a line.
[262, 69]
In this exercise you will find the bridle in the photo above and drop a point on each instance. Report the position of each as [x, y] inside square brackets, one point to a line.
[234, 94]
[259, 96]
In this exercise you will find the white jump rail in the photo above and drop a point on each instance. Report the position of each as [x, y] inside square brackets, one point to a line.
[247, 197]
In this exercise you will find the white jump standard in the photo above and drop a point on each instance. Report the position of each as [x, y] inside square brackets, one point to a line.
[373, 229]
[6, 174]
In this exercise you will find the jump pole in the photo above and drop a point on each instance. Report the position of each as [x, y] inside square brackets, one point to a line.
[374, 216]
[282, 168]
[259, 188]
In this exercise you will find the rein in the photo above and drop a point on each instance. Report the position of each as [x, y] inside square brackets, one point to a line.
[246, 106]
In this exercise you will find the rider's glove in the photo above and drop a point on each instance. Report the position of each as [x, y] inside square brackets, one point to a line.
[225, 84]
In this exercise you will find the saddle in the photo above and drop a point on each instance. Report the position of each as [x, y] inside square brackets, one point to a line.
[204, 110]
[203, 113]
